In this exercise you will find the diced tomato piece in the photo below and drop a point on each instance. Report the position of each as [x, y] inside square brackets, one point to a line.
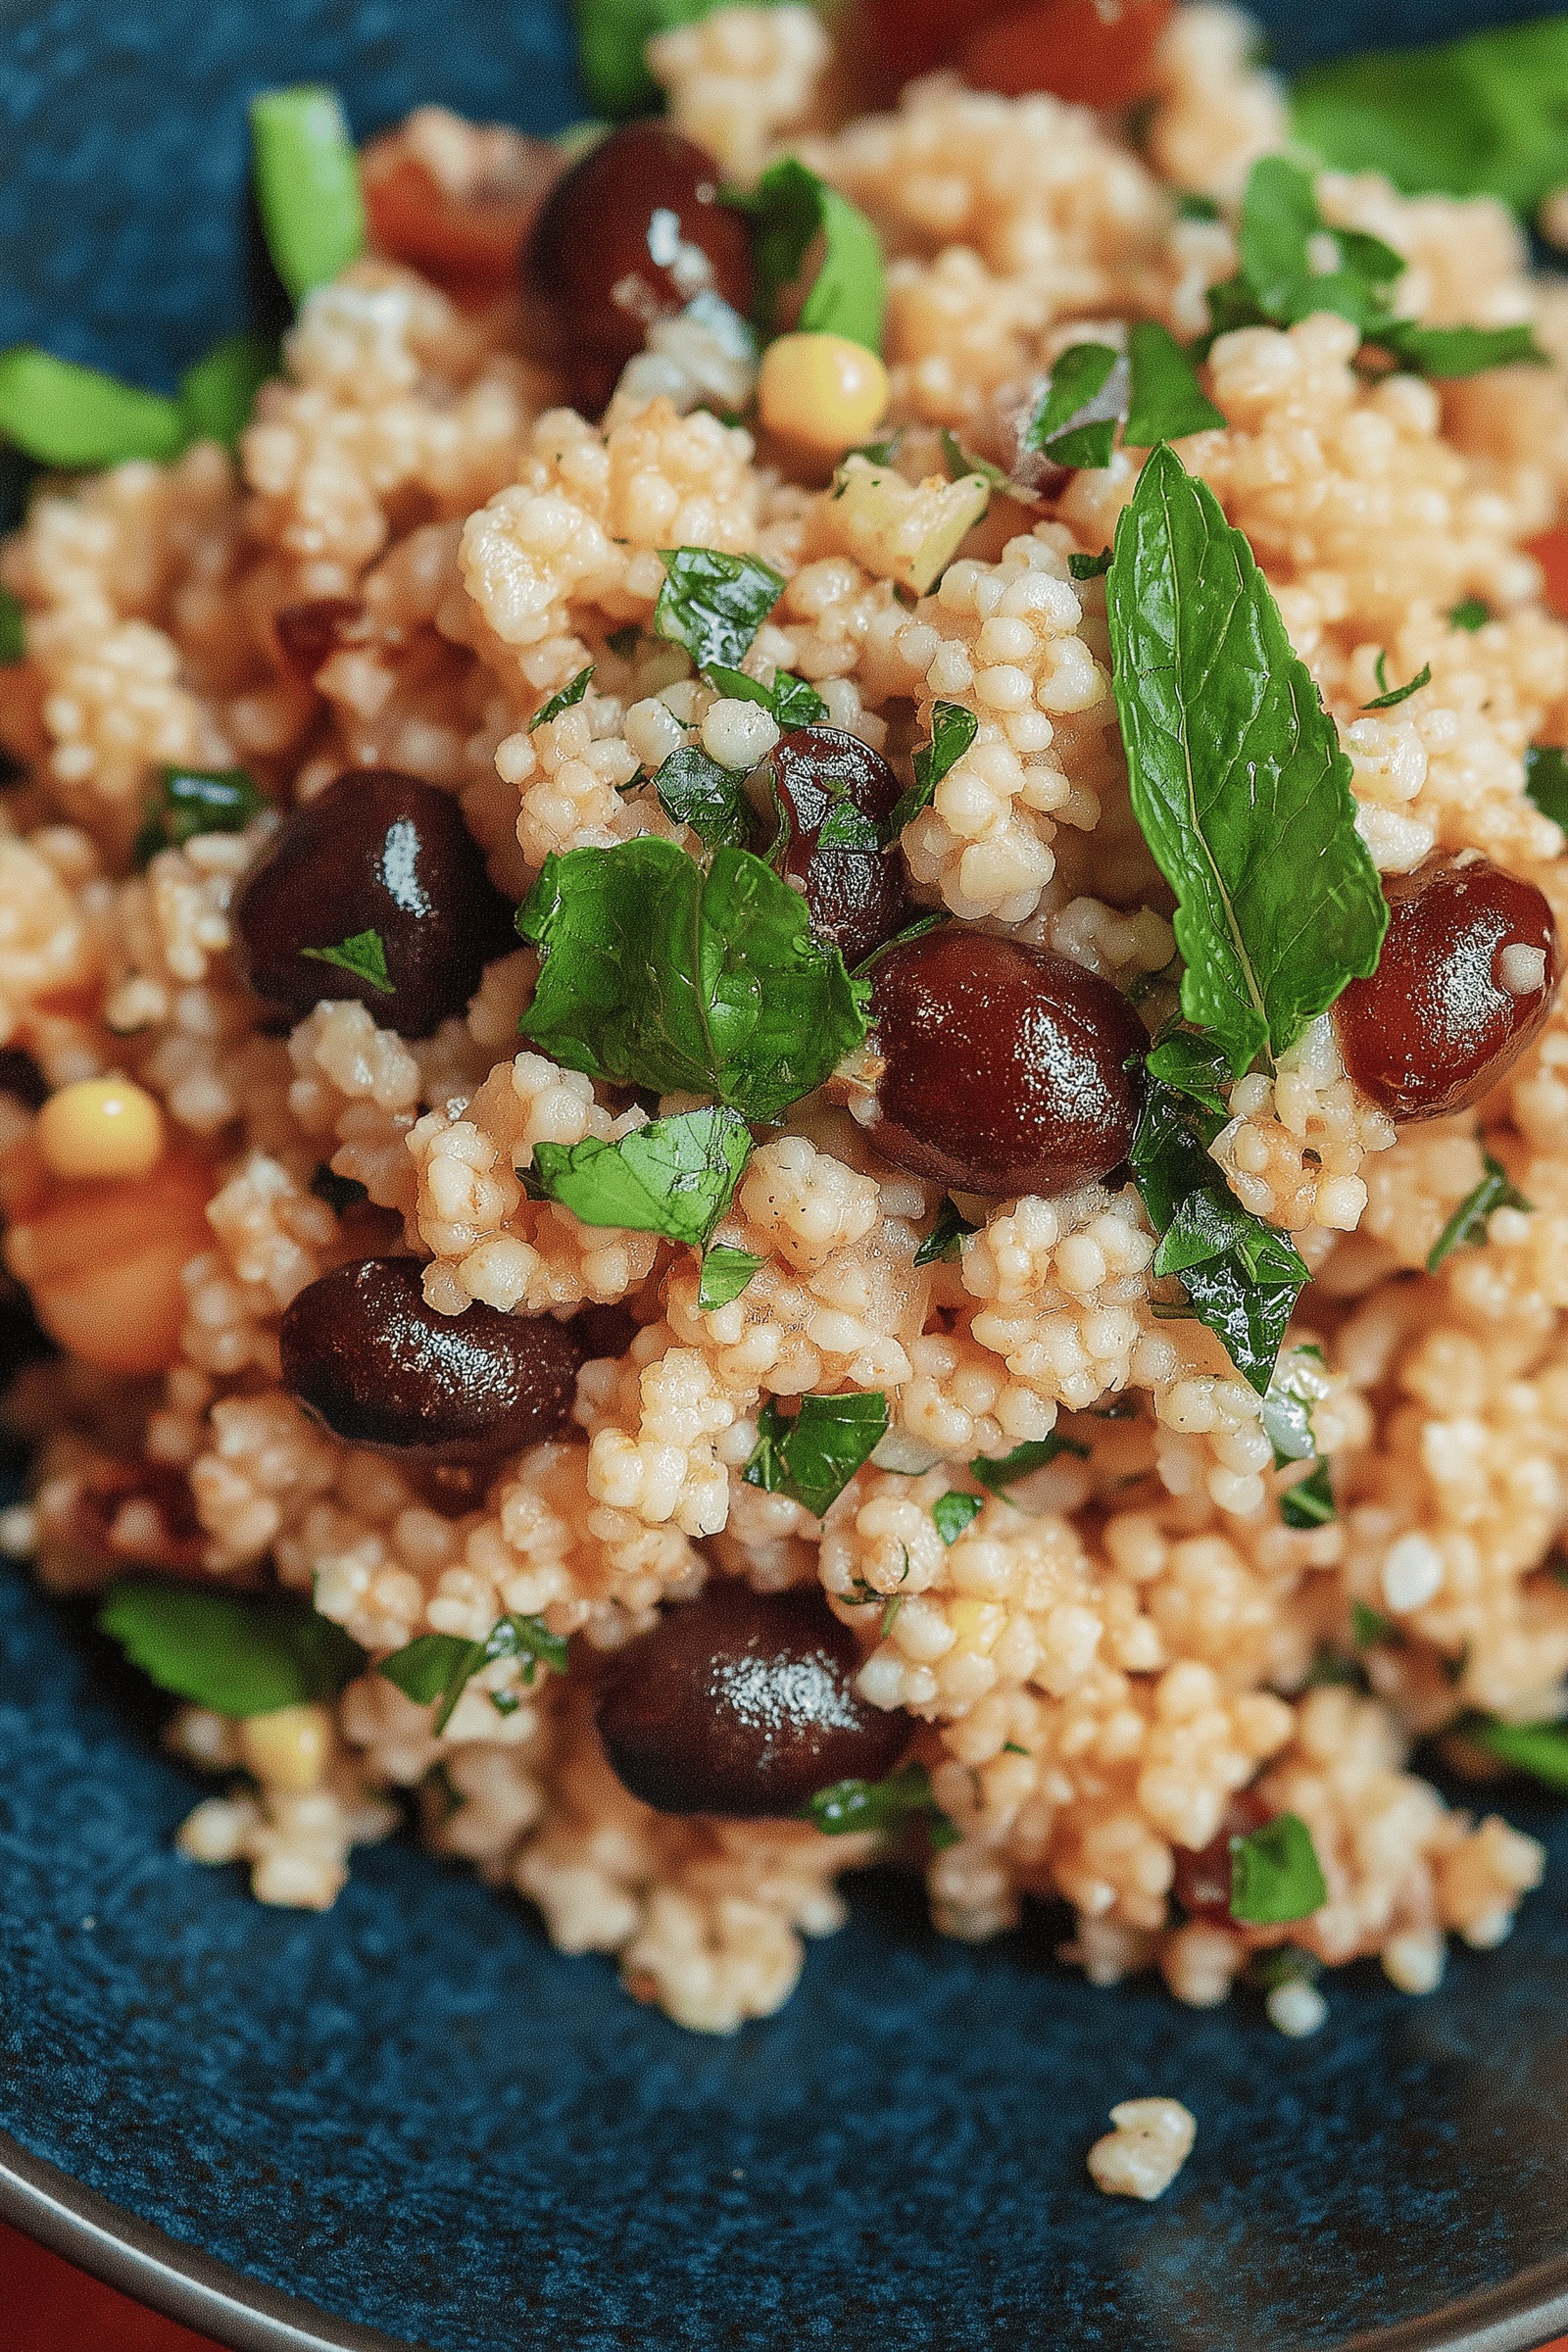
[469, 245]
[1550, 552]
[897, 39]
[1095, 51]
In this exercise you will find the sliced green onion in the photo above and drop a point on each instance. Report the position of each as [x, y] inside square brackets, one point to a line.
[66, 415]
[307, 185]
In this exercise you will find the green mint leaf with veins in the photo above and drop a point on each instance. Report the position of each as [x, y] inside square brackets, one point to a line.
[440, 1666]
[1310, 1501]
[959, 463]
[657, 974]
[1538, 1748]
[675, 1176]
[1471, 615]
[792, 701]
[1241, 1277]
[68, 416]
[1090, 568]
[714, 604]
[188, 800]
[1034, 1454]
[1275, 1873]
[1058, 426]
[952, 730]
[812, 1457]
[725, 1274]
[1467, 1227]
[307, 179]
[954, 1512]
[232, 1652]
[1481, 116]
[1546, 780]
[694, 790]
[13, 629]
[564, 700]
[944, 1241]
[1391, 694]
[884, 1806]
[1237, 774]
[848, 296]
[363, 954]
[1194, 1066]
[1167, 399]
[219, 393]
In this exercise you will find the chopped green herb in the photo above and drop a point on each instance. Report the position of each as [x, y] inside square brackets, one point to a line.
[504, 1703]
[944, 1241]
[1010, 1747]
[611, 38]
[1230, 752]
[1194, 1066]
[1456, 351]
[1300, 1383]
[1556, 1565]
[812, 1457]
[1241, 1277]
[694, 790]
[1167, 399]
[848, 296]
[675, 1176]
[1538, 1748]
[659, 974]
[954, 1512]
[1089, 567]
[1368, 1626]
[1471, 615]
[188, 800]
[875, 453]
[219, 393]
[447, 1796]
[13, 629]
[1009, 1468]
[881, 1805]
[307, 185]
[1275, 1873]
[1287, 1964]
[440, 1666]
[1467, 1227]
[1077, 376]
[792, 701]
[229, 1651]
[340, 1193]
[1310, 1501]
[725, 1274]
[896, 1602]
[1189, 206]
[952, 730]
[623, 643]
[714, 604]
[1330, 1670]
[1387, 698]
[1546, 780]
[363, 954]
[564, 700]
[1481, 116]
[959, 463]
[68, 416]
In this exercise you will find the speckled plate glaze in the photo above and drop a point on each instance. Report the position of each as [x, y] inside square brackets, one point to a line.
[411, 2121]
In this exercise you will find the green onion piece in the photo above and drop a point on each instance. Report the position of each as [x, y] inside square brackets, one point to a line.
[68, 416]
[307, 185]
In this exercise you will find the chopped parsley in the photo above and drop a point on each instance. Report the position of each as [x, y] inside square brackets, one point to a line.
[1006, 1470]
[436, 1667]
[675, 1176]
[363, 956]
[945, 1238]
[307, 179]
[1388, 695]
[1538, 1748]
[1167, 399]
[1089, 567]
[1230, 753]
[1194, 1066]
[714, 604]
[725, 1274]
[1546, 780]
[1310, 1501]
[814, 1456]
[954, 1512]
[1368, 1626]
[694, 790]
[234, 1652]
[1275, 1873]
[564, 700]
[959, 463]
[187, 801]
[1467, 1227]
[952, 730]
[1189, 206]
[1471, 615]
[790, 206]
[658, 974]
[791, 701]
[886, 1806]
[1058, 426]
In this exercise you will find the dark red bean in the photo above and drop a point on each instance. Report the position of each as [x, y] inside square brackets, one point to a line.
[1438, 1023]
[310, 633]
[629, 235]
[855, 888]
[363, 1353]
[598, 1332]
[742, 1703]
[1202, 1882]
[379, 851]
[19, 1075]
[1004, 1064]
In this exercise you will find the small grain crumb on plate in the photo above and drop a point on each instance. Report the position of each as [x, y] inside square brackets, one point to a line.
[1141, 2157]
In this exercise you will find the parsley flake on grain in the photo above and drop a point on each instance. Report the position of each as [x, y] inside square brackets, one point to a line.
[1388, 695]
[1368, 1626]
[657, 974]
[440, 1666]
[307, 179]
[340, 1193]
[1275, 1873]
[790, 700]
[675, 1176]
[1467, 1227]
[564, 700]
[791, 206]
[1075, 421]
[952, 730]
[1546, 780]
[954, 1512]
[725, 1274]
[188, 800]
[1237, 778]
[814, 1456]
[237, 1653]
[1006, 1469]
[363, 954]
[947, 1237]
[1471, 615]
[713, 602]
[886, 1806]
[1538, 1749]
[1089, 567]
[1167, 399]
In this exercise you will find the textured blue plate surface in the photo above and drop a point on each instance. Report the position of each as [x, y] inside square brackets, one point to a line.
[414, 2115]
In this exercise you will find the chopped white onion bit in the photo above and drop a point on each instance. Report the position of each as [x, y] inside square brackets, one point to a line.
[1522, 970]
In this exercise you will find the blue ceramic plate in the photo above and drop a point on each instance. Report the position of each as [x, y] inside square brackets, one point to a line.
[411, 2120]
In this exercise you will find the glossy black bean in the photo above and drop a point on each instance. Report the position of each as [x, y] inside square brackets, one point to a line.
[629, 235]
[377, 852]
[743, 1704]
[821, 778]
[19, 1075]
[1004, 1064]
[363, 1353]
[1440, 1019]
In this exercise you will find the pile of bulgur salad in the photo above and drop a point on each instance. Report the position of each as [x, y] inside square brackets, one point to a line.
[783, 1061]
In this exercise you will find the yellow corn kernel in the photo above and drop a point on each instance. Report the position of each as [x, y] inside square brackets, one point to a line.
[101, 1127]
[822, 392]
[289, 1749]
